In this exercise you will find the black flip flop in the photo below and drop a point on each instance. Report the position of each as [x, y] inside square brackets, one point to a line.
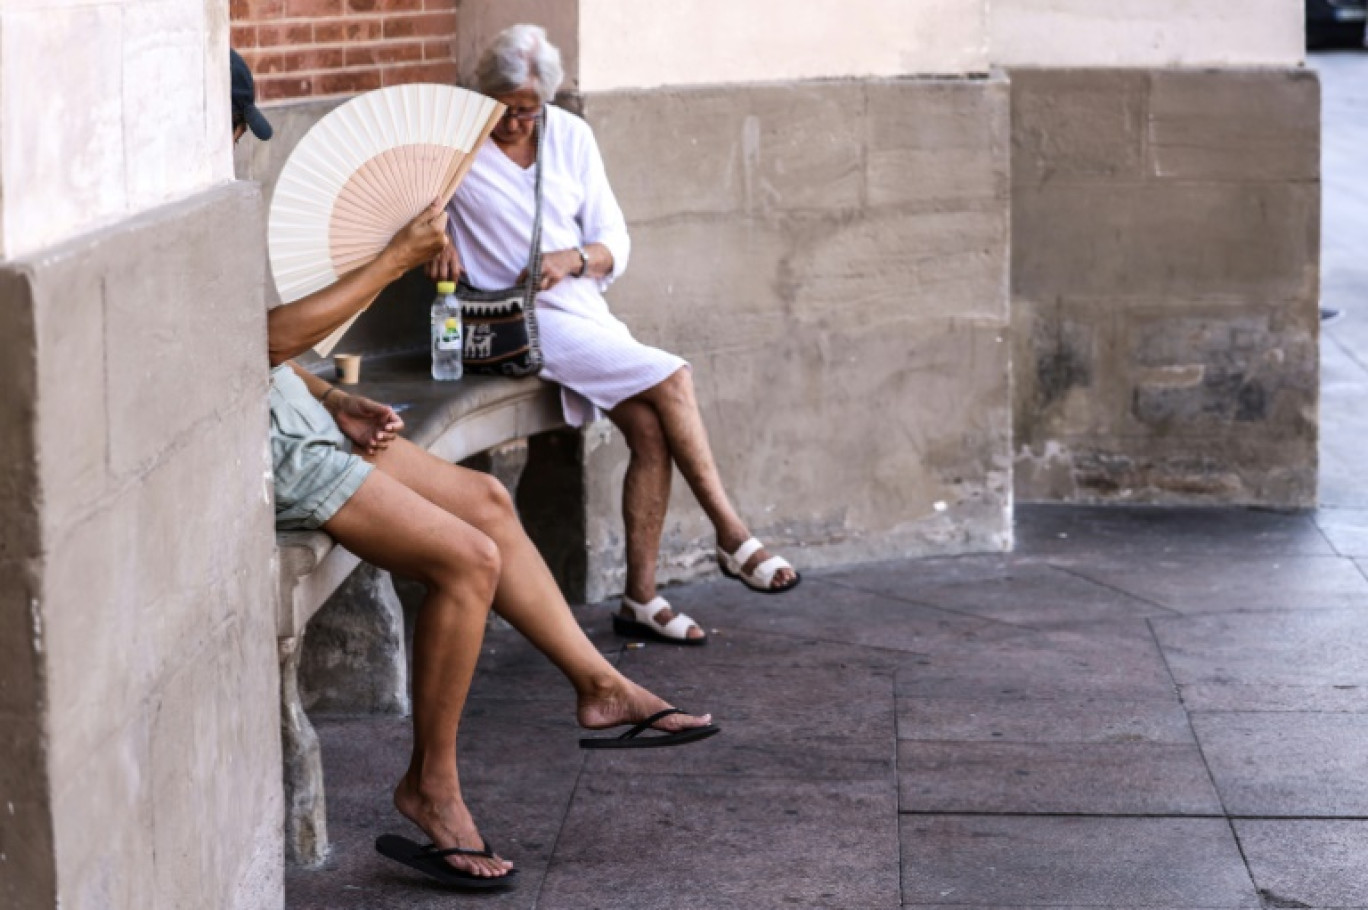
[430, 861]
[630, 628]
[633, 739]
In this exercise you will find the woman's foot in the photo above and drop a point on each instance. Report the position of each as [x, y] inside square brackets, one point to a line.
[622, 701]
[731, 541]
[443, 817]
[662, 617]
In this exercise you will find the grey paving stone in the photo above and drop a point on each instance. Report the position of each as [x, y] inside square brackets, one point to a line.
[1147, 531]
[1054, 720]
[736, 647]
[776, 722]
[1058, 862]
[1307, 863]
[1218, 584]
[908, 578]
[1114, 660]
[1347, 530]
[1288, 763]
[1037, 596]
[1309, 660]
[1061, 778]
[518, 771]
[692, 843]
[830, 612]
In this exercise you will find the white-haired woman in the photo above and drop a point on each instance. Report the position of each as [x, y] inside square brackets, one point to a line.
[648, 393]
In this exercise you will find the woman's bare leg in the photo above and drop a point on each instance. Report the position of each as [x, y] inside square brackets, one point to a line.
[527, 595]
[645, 497]
[392, 527]
[675, 403]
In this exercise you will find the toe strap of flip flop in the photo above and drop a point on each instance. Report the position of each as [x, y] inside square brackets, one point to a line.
[432, 850]
[643, 726]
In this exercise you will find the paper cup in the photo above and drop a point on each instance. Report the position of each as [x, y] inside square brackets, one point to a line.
[348, 368]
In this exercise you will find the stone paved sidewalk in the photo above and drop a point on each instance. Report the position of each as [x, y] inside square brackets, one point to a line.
[1138, 708]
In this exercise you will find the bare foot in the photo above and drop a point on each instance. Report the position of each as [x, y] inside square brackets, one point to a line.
[624, 702]
[444, 818]
[730, 543]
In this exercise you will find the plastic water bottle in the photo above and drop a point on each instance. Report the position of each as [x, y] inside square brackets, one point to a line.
[447, 337]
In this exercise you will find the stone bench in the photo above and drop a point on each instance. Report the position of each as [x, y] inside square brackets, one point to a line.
[453, 421]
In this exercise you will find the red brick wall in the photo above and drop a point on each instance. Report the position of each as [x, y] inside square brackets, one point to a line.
[307, 48]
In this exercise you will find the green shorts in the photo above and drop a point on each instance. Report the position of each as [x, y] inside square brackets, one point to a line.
[315, 470]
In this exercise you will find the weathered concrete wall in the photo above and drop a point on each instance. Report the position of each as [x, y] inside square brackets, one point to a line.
[152, 612]
[110, 107]
[1165, 230]
[627, 45]
[832, 259]
[1146, 33]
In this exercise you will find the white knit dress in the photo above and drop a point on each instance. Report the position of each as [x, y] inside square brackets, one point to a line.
[588, 351]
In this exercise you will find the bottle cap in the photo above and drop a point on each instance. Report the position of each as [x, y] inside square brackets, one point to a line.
[446, 287]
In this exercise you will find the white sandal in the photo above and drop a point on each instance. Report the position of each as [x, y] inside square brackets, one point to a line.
[758, 579]
[676, 631]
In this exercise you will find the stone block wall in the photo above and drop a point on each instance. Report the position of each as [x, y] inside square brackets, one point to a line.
[832, 259]
[150, 621]
[1165, 285]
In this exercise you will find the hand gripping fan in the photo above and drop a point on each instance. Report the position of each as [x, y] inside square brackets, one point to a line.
[362, 173]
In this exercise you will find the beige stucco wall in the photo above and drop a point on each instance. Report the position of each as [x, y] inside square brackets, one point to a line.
[109, 107]
[625, 44]
[1146, 33]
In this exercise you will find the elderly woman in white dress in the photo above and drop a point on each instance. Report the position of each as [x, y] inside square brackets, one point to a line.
[646, 392]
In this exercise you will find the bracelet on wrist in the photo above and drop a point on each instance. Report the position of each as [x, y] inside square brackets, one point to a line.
[324, 400]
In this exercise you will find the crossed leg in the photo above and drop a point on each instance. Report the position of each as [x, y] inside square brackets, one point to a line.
[660, 425]
[457, 532]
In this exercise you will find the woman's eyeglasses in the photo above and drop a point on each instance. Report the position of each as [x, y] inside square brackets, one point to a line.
[524, 114]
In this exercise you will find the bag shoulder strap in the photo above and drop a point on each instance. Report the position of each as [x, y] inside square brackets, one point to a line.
[534, 255]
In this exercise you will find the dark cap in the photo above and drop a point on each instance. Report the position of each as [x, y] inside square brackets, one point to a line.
[244, 97]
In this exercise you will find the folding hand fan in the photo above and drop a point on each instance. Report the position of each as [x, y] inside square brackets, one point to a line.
[362, 173]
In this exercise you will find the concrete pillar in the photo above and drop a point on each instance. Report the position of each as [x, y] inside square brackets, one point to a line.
[138, 682]
[352, 659]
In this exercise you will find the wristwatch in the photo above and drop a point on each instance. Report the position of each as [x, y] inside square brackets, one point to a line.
[584, 262]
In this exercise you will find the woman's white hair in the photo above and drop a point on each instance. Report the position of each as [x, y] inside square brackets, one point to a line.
[519, 54]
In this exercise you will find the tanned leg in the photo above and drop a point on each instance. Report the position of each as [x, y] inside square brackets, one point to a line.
[392, 527]
[677, 407]
[527, 595]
